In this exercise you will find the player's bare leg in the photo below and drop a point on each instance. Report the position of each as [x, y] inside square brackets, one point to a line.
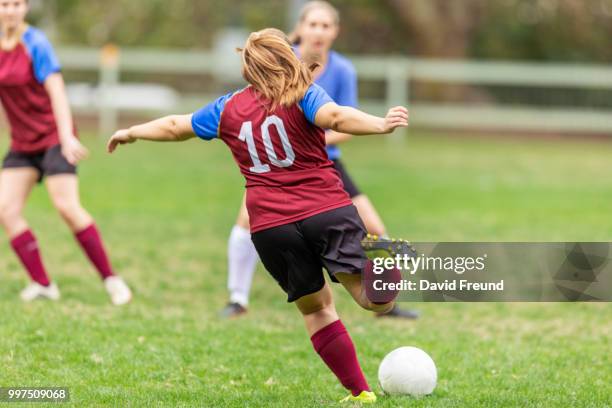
[15, 187]
[64, 193]
[318, 309]
[353, 284]
[332, 342]
[369, 215]
[241, 263]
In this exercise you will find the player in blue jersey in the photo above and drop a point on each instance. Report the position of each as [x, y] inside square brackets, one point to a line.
[316, 30]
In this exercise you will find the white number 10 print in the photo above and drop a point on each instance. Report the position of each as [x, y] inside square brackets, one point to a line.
[246, 135]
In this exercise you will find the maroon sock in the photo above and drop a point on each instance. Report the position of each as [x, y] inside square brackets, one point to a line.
[26, 248]
[336, 348]
[91, 242]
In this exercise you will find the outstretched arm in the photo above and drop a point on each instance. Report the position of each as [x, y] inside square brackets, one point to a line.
[344, 119]
[174, 128]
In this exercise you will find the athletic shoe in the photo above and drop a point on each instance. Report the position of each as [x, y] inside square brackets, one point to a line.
[380, 247]
[366, 397]
[37, 291]
[118, 291]
[232, 310]
[400, 313]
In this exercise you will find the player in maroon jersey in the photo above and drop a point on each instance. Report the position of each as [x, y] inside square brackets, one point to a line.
[301, 218]
[43, 145]
[317, 28]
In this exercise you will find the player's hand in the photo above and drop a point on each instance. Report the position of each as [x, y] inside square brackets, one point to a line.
[396, 117]
[120, 137]
[73, 150]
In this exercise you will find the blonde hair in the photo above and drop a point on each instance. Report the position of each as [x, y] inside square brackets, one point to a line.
[272, 68]
[294, 37]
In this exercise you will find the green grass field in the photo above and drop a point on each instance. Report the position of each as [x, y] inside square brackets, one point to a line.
[166, 211]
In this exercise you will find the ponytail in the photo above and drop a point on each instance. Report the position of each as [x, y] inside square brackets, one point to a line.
[272, 68]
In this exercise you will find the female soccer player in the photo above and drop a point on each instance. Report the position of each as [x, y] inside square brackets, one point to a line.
[301, 218]
[43, 145]
[317, 28]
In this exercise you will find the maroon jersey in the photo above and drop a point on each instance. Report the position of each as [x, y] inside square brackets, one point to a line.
[23, 71]
[281, 154]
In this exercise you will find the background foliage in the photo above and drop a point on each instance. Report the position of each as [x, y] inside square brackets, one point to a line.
[559, 30]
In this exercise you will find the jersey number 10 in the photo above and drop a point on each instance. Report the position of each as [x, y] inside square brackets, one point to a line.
[246, 135]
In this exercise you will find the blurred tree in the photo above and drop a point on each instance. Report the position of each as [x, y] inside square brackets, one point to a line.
[440, 28]
[185, 23]
[558, 30]
[177, 23]
[569, 30]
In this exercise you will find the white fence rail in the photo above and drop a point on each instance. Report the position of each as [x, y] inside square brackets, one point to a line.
[396, 73]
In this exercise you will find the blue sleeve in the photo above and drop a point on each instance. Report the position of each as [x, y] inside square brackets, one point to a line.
[314, 98]
[347, 88]
[44, 60]
[205, 122]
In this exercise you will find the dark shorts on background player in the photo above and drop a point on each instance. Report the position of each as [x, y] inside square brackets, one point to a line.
[296, 253]
[48, 163]
[349, 186]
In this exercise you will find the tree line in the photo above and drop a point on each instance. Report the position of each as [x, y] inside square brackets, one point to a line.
[538, 30]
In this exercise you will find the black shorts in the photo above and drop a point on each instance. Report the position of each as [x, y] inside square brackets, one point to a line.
[349, 186]
[48, 163]
[295, 254]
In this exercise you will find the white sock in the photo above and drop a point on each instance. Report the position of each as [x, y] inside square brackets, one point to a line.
[242, 259]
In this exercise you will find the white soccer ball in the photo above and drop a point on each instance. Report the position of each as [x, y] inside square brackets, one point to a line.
[407, 371]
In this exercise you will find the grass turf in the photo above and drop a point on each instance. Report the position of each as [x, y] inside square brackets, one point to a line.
[166, 211]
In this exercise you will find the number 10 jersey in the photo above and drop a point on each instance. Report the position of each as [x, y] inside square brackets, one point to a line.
[280, 152]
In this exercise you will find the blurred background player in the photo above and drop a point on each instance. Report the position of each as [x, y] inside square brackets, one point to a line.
[43, 145]
[301, 218]
[316, 30]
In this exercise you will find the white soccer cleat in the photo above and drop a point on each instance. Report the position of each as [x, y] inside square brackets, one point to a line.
[37, 291]
[118, 290]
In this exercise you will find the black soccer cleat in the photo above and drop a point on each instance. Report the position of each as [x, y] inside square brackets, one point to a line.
[379, 247]
[232, 311]
[399, 313]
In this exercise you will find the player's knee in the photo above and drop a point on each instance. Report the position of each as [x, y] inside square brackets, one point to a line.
[8, 213]
[243, 221]
[318, 309]
[68, 210]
